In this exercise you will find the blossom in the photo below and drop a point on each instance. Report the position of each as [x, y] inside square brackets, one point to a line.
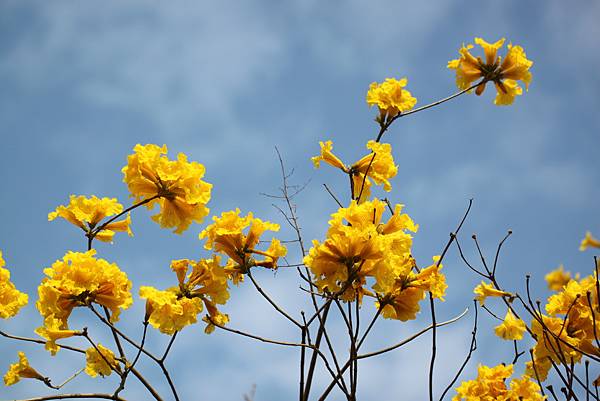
[555, 342]
[52, 330]
[20, 370]
[511, 328]
[173, 309]
[360, 246]
[558, 278]
[86, 213]
[11, 299]
[390, 97]
[588, 241]
[80, 279]
[503, 73]
[226, 236]
[175, 185]
[485, 290]
[100, 360]
[491, 385]
[377, 165]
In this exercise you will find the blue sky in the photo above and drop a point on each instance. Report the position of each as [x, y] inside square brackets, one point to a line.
[225, 83]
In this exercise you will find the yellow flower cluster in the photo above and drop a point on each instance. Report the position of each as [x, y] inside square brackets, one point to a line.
[378, 165]
[80, 279]
[491, 385]
[173, 309]
[176, 185]
[360, 246]
[20, 370]
[567, 338]
[390, 97]
[503, 73]
[86, 213]
[100, 360]
[11, 299]
[226, 236]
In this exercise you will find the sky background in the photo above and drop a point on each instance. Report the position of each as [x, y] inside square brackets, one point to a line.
[225, 82]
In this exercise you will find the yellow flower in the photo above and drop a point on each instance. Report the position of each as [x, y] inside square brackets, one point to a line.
[168, 313]
[548, 348]
[101, 361]
[503, 73]
[21, 370]
[175, 185]
[11, 299]
[358, 246]
[378, 165]
[484, 290]
[489, 385]
[79, 279]
[588, 241]
[226, 236]
[86, 213]
[390, 97]
[328, 157]
[171, 310]
[430, 279]
[511, 328]
[52, 330]
[558, 278]
[525, 389]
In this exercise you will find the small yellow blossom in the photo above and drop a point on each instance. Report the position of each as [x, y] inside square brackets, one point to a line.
[589, 241]
[328, 157]
[173, 309]
[21, 370]
[390, 97]
[226, 236]
[80, 279]
[175, 185]
[484, 290]
[86, 213]
[52, 330]
[11, 299]
[432, 280]
[558, 278]
[101, 361]
[511, 328]
[503, 73]
[377, 165]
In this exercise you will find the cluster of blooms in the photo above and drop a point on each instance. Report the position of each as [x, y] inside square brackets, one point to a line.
[99, 360]
[79, 279]
[491, 385]
[173, 309]
[176, 185]
[503, 73]
[378, 165]
[86, 213]
[390, 97]
[570, 329]
[11, 299]
[359, 245]
[226, 236]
